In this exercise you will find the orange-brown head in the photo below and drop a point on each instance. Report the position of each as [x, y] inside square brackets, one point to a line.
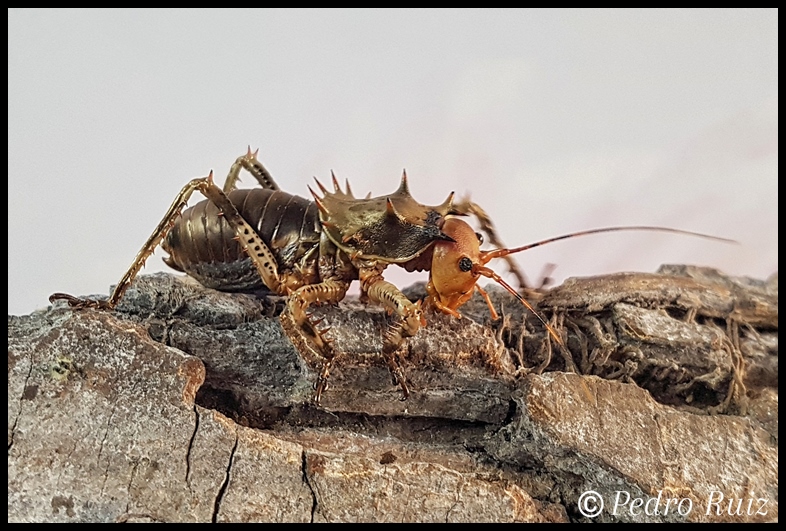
[457, 265]
[456, 268]
[453, 278]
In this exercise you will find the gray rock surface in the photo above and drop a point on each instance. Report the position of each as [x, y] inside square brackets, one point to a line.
[186, 404]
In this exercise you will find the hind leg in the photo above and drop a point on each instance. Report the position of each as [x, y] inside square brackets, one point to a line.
[251, 164]
[261, 255]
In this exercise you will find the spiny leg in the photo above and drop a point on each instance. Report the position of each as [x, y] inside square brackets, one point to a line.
[257, 250]
[328, 291]
[251, 164]
[467, 207]
[409, 319]
[260, 254]
[164, 226]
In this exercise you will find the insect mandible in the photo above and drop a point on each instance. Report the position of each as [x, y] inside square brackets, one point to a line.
[311, 251]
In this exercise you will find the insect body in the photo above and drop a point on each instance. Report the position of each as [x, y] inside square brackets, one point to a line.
[311, 251]
[203, 245]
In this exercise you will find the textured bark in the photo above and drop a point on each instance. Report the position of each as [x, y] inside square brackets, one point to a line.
[188, 404]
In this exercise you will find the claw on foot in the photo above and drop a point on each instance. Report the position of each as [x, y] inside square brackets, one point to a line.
[398, 375]
[404, 391]
[77, 302]
[320, 386]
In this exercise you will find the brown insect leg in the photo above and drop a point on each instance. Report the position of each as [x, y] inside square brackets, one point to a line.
[410, 319]
[251, 164]
[261, 255]
[467, 207]
[259, 252]
[328, 291]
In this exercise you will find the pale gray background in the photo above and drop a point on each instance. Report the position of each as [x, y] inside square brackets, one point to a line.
[555, 121]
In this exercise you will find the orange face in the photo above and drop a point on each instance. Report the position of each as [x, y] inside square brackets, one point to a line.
[457, 266]
[453, 272]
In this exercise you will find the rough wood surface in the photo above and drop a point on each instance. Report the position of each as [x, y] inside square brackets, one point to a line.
[187, 404]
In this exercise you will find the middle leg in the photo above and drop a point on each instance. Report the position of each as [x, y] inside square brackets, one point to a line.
[300, 300]
[408, 317]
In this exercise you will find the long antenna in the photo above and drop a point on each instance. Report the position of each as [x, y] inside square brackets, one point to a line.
[497, 253]
[486, 256]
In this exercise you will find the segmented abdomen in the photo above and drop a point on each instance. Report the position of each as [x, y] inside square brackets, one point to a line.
[201, 243]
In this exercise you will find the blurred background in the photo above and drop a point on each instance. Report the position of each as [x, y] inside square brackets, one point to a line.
[554, 121]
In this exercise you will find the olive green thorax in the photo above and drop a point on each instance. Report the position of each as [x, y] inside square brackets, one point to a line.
[393, 228]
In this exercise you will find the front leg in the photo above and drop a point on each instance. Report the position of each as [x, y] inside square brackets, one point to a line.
[408, 317]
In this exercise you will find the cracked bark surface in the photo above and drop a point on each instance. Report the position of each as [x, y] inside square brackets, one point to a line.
[191, 405]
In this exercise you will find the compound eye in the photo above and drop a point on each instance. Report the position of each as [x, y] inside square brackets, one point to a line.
[479, 237]
[465, 264]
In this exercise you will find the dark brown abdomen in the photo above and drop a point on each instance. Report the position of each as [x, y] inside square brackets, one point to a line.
[201, 243]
